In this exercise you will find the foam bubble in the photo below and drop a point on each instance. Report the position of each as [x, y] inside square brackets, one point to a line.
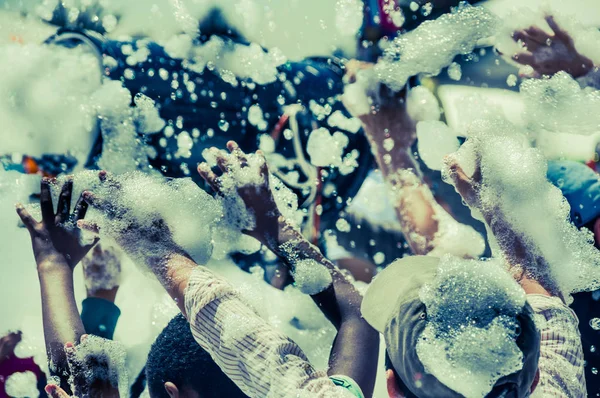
[22, 385]
[435, 140]
[311, 277]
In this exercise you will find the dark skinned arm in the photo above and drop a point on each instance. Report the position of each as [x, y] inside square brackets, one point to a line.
[356, 347]
[57, 251]
[511, 243]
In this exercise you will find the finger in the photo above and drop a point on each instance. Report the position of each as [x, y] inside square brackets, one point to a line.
[235, 150]
[94, 200]
[525, 58]
[77, 369]
[28, 220]
[107, 178]
[209, 176]
[55, 391]
[95, 241]
[520, 35]
[558, 32]
[538, 35]
[223, 161]
[526, 40]
[264, 168]
[528, 72]
[63, 208]
[46, 202]
[80, 209]
[75, 365]
[88, 226]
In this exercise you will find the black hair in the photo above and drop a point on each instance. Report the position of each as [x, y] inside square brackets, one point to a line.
[215, 24]
[176, 357]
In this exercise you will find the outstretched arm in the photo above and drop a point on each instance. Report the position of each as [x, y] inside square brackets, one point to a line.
[355, 350]
[391, 133]
[256, 356]
[57, 251]
[511, 243]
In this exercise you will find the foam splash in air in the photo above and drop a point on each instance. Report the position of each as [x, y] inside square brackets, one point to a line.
[560, 105]
[435, 140]
[434, 44]
[326, 149]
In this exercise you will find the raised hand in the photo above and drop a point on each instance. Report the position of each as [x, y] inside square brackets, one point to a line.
[102, 271]
[91, 374]
[548, 54]
[56, 238]
[468, 187]
[253, 189]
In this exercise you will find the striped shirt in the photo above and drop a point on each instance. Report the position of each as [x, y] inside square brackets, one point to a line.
[561, 355]
[263, 362]
[259, 359]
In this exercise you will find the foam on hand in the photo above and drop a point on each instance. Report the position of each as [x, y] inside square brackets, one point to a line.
[147, 201]
[514, 185]
[102, 359]
[469, 341]
[235, 217]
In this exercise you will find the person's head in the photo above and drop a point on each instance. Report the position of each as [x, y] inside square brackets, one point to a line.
[580, 185]
[178, 367]
[394, 306]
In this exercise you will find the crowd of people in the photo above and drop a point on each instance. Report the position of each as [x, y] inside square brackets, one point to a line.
[456, 318]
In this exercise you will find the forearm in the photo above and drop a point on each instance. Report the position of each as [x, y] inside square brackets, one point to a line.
[527, 268]
[355, 353]
[412, 199]
[356, 347]
[173, 270]
[62, 323]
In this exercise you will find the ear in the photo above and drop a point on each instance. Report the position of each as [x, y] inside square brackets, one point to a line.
[172, 390]
[393, 388]
[596, 231]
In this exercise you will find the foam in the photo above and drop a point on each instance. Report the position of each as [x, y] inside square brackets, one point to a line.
[514, 184]
[233, 61]
[471, 317]
[434, 44]
[139, 199]
[560, 105]
[435, 140]
[22, 385]
[46, 100]
[94, 352]
[326, 149]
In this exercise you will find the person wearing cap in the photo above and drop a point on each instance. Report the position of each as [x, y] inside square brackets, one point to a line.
[580, 186]
[552, 355]
[393, 306]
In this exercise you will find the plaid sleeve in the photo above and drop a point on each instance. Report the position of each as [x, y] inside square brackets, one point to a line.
[561, 355]
[258, 358]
